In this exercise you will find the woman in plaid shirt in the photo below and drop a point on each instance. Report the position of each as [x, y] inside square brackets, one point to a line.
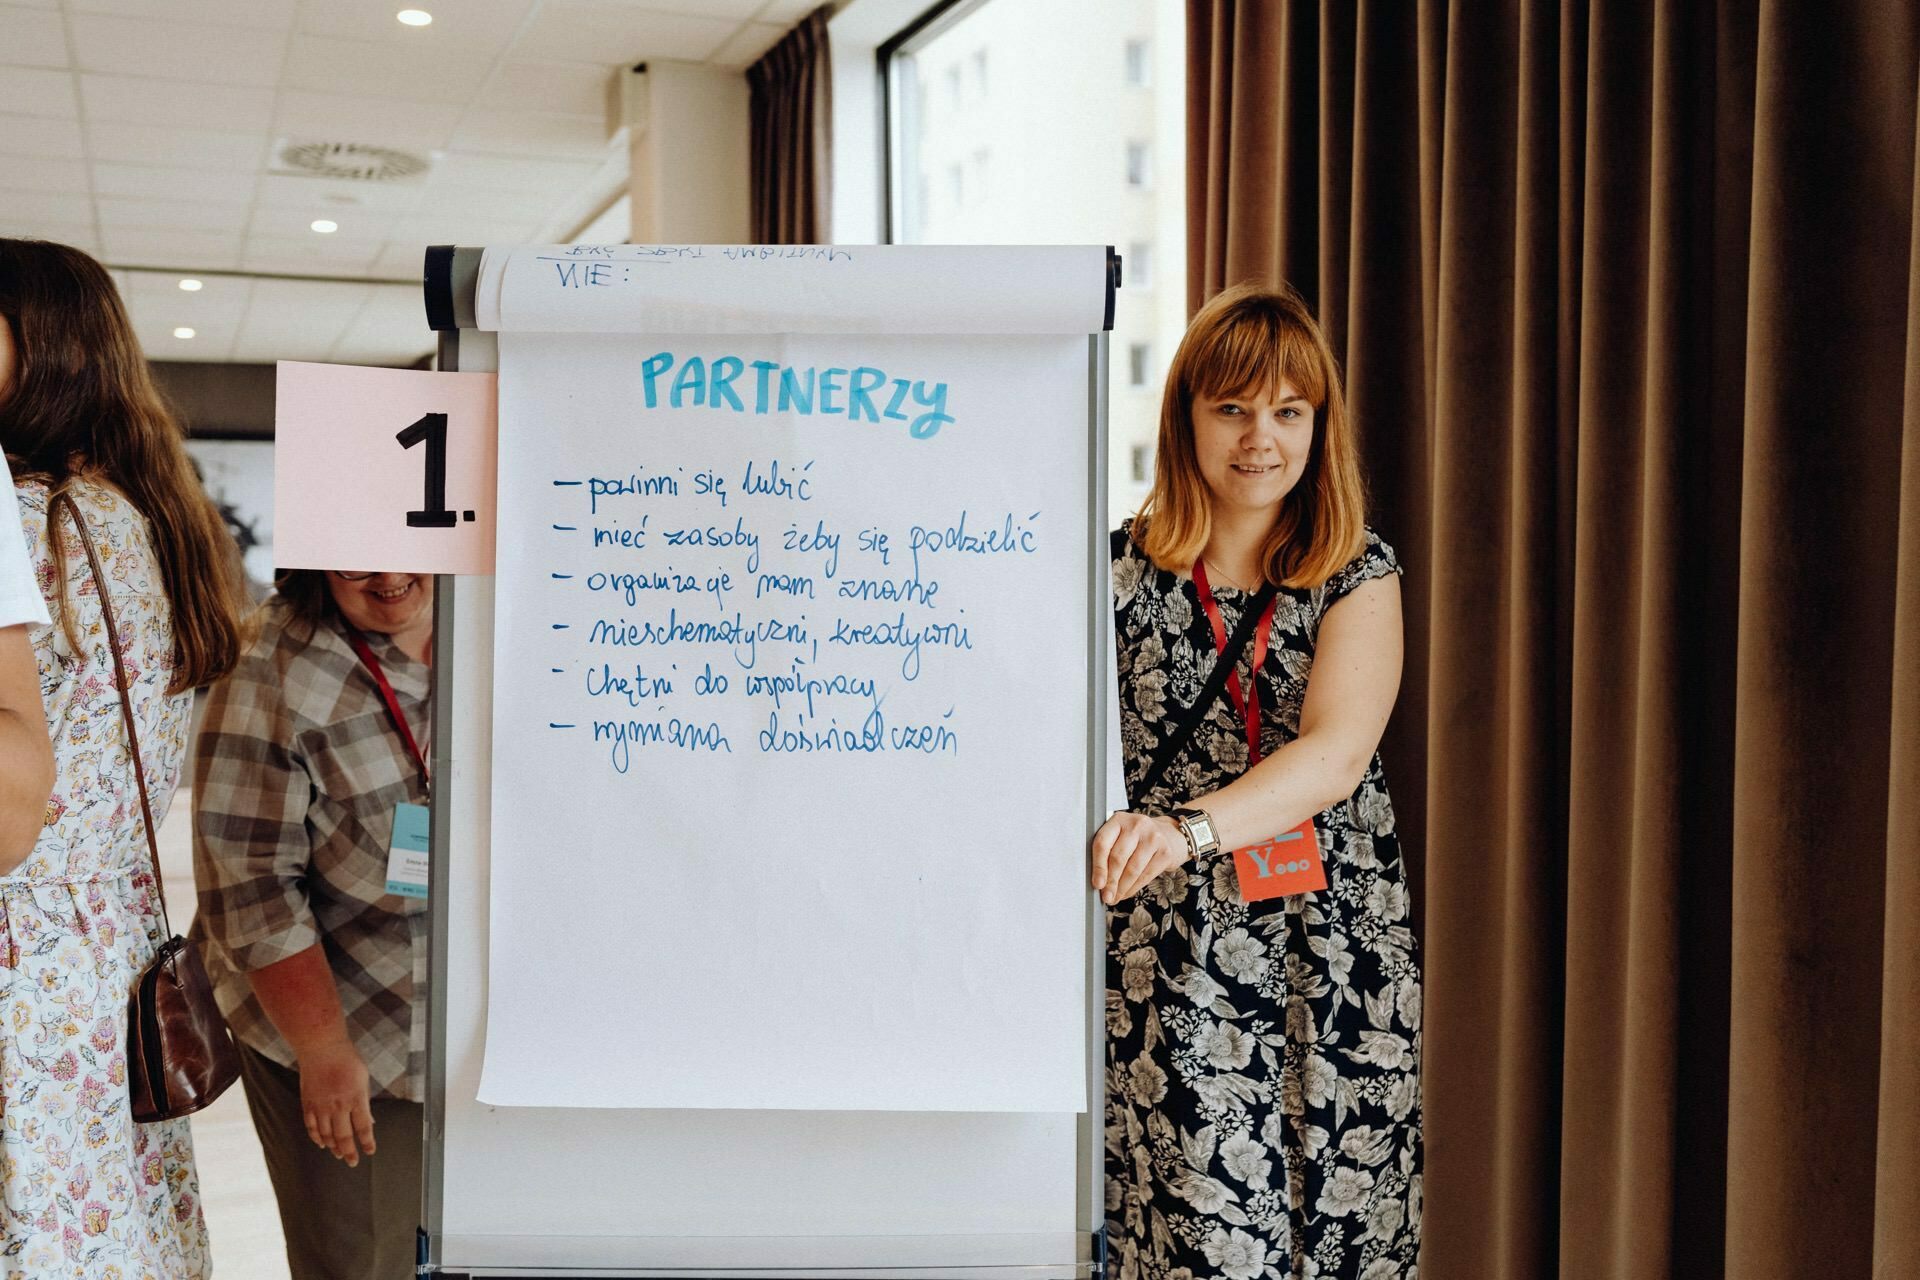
[308, 750]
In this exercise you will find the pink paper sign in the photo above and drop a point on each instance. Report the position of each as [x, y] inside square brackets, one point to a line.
[383, 469]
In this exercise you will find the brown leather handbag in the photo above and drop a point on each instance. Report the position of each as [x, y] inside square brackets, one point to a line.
[180, 1056]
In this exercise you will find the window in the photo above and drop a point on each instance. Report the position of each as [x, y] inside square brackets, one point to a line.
[1139, 165]
[1084, 126]
[1138, 268]
[1139, 364]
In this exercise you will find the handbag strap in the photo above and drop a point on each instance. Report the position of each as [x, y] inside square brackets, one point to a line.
[1172, 744]
[64, 499]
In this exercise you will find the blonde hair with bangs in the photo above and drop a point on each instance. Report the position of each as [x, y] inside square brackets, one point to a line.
[1248, 339]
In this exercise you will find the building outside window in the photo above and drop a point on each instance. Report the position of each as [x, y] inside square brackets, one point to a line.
[1138, 266]
[1139, 165]
[1062, 124]
[1139, 364]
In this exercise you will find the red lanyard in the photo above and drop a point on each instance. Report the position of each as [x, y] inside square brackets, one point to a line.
[1248, 702]
[360, 646]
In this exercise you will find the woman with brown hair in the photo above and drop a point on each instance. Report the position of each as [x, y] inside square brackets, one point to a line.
[87, 1191]
[1263, 1094]
[309, 770]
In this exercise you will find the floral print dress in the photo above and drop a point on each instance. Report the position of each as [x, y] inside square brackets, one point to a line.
[86, 1193]
[1263, 1087]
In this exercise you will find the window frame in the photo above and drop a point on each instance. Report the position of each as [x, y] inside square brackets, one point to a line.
[923, 30]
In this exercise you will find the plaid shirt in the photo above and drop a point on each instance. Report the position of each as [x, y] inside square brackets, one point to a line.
[297, 771]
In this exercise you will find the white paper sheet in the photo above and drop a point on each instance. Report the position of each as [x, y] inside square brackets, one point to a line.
[688, 910]
[634, 288]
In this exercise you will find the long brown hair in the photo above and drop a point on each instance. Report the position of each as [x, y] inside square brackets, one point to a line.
[1248, 339]
[83, 405]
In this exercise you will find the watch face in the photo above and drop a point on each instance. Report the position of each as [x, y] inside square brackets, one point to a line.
[1202, 829]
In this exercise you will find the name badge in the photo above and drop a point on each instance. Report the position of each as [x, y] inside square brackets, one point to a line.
[407, 858]
[1279, 865]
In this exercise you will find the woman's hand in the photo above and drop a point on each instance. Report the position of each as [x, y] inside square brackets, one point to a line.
[334, 1101]
[1130, 849]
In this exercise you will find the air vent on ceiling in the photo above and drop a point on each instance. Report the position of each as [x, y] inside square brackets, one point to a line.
[352, 161]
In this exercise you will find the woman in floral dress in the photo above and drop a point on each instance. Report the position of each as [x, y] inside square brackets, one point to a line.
[1263, 1091]
[85, 1192]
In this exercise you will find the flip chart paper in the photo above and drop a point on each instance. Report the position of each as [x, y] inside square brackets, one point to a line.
[790, 699]
[634, 288]
[344, 485]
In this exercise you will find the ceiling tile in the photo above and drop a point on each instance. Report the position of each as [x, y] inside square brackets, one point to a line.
[611, 33]
[203, 312]
[342, 201]
[176, 50]
[32, 37]
[315, 255]
[37, 136]
[153, 182]
[130, 247]
[786, 12]
[79, 235]
[269, 15]
[28, 91]
[365, 68]
[215, 293]
[37, 206]
[752, 40]
[139, 100]
[390, 329]
[126, 213]
[126, 143]
[576, 87]
[508, 173]
[296, 224]
[35, 173]
[401, 260]
[373, 118]
[489, 24]
[501, 204]
[328, 302]
[298, 319]
[468, 229]
[533, 133]
[212, 339]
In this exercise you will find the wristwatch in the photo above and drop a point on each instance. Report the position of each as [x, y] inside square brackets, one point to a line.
[1197, 827]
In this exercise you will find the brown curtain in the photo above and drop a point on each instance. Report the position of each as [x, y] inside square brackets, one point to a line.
[1628, 296]
[792, 122]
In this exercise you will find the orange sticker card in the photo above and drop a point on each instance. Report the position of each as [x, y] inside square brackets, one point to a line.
[1279, 865]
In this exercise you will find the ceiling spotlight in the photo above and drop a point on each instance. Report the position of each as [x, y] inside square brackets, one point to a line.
[325, 226]
[183, 332]
[191, 285]
[414, 17]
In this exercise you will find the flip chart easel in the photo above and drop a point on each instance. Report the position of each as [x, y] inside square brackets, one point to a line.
[724, 1193]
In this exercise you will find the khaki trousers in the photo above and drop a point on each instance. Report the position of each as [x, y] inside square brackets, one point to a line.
[340, 1223]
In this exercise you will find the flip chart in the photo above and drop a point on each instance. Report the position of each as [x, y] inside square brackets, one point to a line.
[789, 778]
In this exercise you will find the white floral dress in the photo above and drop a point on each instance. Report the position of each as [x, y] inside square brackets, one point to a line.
[87, 1193]
[1263, 1077]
